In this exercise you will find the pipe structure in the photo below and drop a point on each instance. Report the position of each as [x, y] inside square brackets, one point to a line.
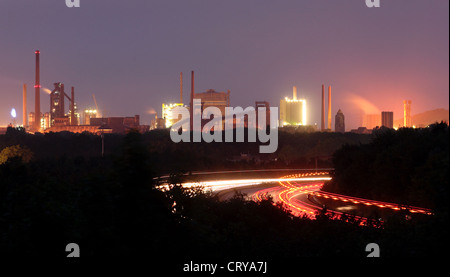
[37, 98]
[24, 107]
[294, 93]
[72, 108]
[329, 108]
[191, 107]
[322, 126]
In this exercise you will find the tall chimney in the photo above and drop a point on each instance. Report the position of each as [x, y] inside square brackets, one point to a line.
[322, 128]
[181, 87]
[191, 107]
[24, 107]
[294, 96]
[329, 107]
[407, 113]
[72, 108]
[37, 98]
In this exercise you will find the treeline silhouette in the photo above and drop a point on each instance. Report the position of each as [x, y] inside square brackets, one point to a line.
[408, 166]
[296, 149]
[111, 206]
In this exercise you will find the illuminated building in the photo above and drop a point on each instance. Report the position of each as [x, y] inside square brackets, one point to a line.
[339, 122]
[387, 119]
[57, 103]
[88, 114]
[57, 107]
[32, 121]
[46, 124]
[293, 111]
[407, 113]
[168, 116]
[79, 129]
[370, 121]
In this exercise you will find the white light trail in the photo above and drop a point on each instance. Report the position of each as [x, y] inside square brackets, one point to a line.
[230, 184]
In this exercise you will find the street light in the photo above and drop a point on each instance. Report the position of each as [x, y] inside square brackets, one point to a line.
[104, 129]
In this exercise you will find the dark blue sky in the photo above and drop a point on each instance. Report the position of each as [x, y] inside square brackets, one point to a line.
[129, 53]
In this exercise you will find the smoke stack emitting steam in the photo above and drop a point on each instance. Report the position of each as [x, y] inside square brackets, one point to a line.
[294, 96]
[37, 98]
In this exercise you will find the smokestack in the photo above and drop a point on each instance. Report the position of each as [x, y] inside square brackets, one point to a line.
[191, 107]
[329, 107]
[72, 108]
[322, 128]
[407, 113]
[181, 87]
[294, 96]
[37, 97]
[24, 107]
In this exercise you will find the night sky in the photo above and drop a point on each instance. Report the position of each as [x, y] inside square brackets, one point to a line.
[129, 53]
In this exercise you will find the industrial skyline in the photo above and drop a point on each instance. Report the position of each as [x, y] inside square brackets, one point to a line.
[229, 136]
[383, 56]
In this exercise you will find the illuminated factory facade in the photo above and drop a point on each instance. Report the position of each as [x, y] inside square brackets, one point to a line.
[293, 111]
[168, 115]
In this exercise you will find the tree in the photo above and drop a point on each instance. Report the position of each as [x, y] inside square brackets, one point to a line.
[18, 151]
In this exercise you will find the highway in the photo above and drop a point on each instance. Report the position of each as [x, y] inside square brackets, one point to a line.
[301, 194]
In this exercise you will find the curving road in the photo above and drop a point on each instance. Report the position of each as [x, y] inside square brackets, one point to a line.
[302, 195]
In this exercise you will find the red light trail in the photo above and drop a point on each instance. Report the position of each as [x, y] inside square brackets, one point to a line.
[289, 192]
[300, 194]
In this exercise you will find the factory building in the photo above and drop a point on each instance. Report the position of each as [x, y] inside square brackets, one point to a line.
[58, 114]
[387, 119]
[371, 121]
[88, 114]
[168, 115]
[120, 125]
[293, 111]
[212, 98]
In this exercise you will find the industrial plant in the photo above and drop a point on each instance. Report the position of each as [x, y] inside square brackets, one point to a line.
[57, 119]
[292, 112]
[209, 98]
